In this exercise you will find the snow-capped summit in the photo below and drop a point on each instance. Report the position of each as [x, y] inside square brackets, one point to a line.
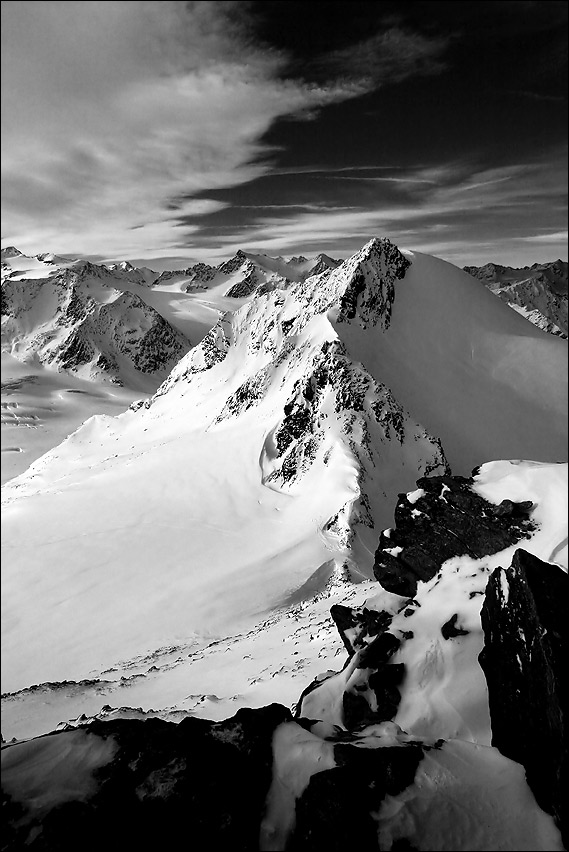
[292, 449]
[56, 260]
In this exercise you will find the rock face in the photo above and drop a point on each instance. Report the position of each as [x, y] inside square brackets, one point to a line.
[442, 519]
[525, 662]
[539, 292]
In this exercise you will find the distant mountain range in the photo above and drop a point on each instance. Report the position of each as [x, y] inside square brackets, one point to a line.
[538, 292]
[98, 320]
[246, 273]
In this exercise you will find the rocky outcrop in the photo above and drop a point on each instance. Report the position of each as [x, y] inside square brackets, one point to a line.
[143, 784]
[442, 519]
[335, 811]
[525, 663]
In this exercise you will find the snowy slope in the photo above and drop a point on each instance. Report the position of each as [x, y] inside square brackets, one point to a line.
[180, 561]
[41, 407]
[267, 456]
[538, 292]
[259, 475]
[419, 772]
[473, 371]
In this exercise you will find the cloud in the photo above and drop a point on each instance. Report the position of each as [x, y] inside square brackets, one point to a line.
[556, 237]
[389, 56]
[457, 210]
[116, 114]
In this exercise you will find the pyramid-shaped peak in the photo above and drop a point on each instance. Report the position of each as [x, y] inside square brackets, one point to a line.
[377, 245]
[229, 266]
[11, 251]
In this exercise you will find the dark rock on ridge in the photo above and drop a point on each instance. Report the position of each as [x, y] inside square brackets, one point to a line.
[205, 781]
[448, 519]
[449, 630]
[335, 810]
[357, 626]
[525, 663]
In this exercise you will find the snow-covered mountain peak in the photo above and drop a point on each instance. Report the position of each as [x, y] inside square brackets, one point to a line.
[78, 318]
[280, 359]
[361, 289]
[11, 251]
[56, 260]
[234, 263]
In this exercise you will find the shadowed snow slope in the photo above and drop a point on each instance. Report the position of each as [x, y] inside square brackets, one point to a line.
[473, 371]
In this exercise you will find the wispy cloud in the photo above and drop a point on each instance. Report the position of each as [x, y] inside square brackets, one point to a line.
[455, 210]
[556, 237]
[537, 96]
[391, 55]
[144, 102]
[116, 115]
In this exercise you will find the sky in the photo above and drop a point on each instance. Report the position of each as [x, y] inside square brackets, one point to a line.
[169, 132]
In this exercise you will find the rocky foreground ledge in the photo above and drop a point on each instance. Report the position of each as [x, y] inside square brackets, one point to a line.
[343, 773]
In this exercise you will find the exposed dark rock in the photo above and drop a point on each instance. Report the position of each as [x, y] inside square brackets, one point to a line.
[355, 626]
[371, 694]
[515, 510]
[370, 298]
[76, 352]
[448, 519]
[335, 810]
[198, 779]
[378, 652]
[247, 284]
[450, 630]
[525, 663]
[233, 263]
